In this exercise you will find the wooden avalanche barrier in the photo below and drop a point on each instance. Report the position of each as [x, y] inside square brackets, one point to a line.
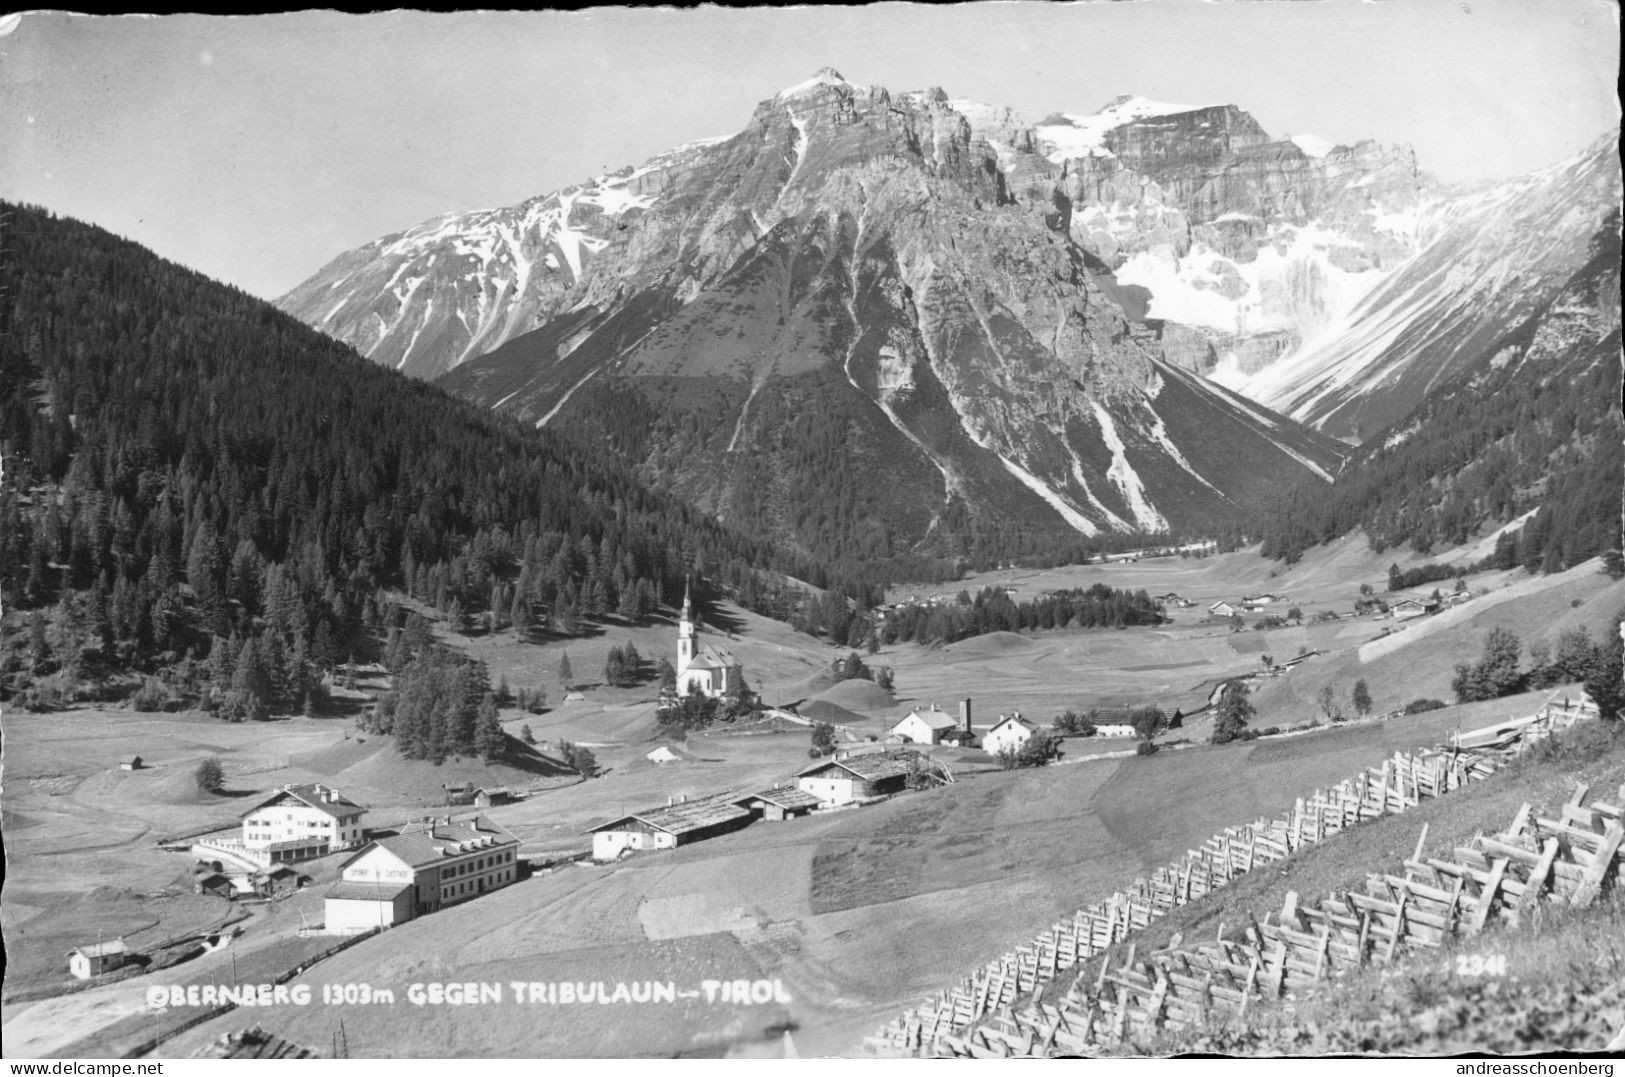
[992, 1012]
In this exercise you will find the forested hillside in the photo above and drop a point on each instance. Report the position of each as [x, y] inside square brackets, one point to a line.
[1535, 428]
[191, 475]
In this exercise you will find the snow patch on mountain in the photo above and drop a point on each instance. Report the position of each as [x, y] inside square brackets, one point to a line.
[1084, 136]
[1123, 475]
[1038, 486]
[1111, 517]
[826, 77]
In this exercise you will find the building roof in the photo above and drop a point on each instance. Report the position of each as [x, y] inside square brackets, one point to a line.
[431, 843]
[787, 797]
[353, 891]
[865, 768]
[101, 949]
[685, 817]
[1018, 720]
[324, 798]
[710, 657]
[214, 878]
[280, 869]
[934, 718]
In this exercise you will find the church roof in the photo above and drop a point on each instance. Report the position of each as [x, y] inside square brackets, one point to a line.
[709, 657]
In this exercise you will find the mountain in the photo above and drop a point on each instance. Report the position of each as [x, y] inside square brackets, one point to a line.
[190, 472]
[1486, 262]
[1524, 436]
[863, 321]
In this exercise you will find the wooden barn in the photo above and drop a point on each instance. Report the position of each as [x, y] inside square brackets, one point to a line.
[680, 822]
[280, 879]
[842, 781]
[215, 883]
[777, 804]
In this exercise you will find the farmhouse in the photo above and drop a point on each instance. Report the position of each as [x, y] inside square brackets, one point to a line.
[132, 763]
[845, 780]
[710, 671]
[1223, 609]
[680, 822]
[491, 798]
[1114, 729]
[1407, 608]
[103, 957]
[302, 821]
[924, 727]
[1011, 731]
[419, 871]
[458, 794]
[779, 803]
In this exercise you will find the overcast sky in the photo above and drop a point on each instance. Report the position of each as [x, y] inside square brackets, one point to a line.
[257, 148]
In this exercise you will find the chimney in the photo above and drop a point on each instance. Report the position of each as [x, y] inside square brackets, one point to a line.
[964, 713]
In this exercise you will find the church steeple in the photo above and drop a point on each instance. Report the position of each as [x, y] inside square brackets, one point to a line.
[685, 633]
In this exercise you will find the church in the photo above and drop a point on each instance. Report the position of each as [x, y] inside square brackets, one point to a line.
[708, 670]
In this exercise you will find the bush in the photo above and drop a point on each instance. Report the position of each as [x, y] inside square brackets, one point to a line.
[1417, 706]
[210, 775]
[1269, 731]
[1145, 747]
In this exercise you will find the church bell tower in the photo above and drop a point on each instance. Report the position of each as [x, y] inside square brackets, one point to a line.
[685, 634]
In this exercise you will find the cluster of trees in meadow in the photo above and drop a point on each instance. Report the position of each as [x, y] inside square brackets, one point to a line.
[1578, 658]
[992, 610]
[440, 704]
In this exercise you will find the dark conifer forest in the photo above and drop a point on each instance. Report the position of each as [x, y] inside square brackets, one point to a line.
[202, 489]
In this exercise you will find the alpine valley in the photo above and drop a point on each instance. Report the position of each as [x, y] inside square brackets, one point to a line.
[881, 325]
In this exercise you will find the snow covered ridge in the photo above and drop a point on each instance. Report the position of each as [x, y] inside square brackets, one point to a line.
[827, 76]
[1085, 136]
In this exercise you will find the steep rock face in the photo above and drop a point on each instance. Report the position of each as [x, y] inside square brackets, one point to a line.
[1487, 260]
[863, 322]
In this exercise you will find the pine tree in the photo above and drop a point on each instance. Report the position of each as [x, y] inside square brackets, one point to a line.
[565, 674]
[488, 736]
[1361, 698]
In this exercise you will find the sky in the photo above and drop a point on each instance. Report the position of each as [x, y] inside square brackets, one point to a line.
[258, 148]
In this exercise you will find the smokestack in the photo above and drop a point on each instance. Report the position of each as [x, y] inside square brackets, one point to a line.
[964, 713]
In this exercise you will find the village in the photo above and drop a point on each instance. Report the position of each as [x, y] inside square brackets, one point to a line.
[398, 873]
[334, 861]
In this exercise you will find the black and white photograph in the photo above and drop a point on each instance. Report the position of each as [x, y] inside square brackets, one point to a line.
[987, 530]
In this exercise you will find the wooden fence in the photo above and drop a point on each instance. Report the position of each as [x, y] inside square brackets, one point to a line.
[939, 1025]
[1568, 859]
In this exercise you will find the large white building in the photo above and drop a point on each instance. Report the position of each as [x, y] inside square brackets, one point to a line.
[419, 871]
[924, 727]
[708, 670]
[302, 821]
